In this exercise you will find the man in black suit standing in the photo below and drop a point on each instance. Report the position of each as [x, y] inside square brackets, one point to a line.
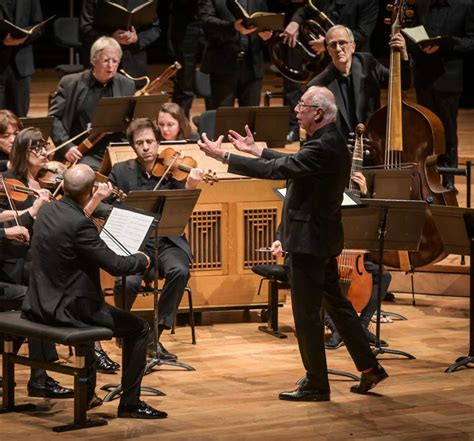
[233, 55]
[134, 42]
[439, 69]
[65, 289]
[76, 98]
[312, 235]
[355, 78]
[16, 55]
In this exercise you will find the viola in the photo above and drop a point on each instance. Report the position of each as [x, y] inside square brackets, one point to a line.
[15, 188]
[170, 164]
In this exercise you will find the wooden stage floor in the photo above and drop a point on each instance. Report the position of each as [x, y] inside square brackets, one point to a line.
[233, 394]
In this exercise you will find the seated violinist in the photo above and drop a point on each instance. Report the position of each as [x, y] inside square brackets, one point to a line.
[173, 124]
[76, 98]
[10, 125]
[174, 252]
[28, 154]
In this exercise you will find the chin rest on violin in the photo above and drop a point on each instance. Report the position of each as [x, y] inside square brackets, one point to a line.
[170, 163]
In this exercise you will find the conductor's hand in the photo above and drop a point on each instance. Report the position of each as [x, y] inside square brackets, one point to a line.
[360, 180]
[196, 175]
[245, 144]
[277, 249]
[239, 27]
[290, 34]
[212, 149]
[17, 233]
[10, 41]
[73, 154]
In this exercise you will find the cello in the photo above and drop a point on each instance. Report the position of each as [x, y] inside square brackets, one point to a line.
[410, 136]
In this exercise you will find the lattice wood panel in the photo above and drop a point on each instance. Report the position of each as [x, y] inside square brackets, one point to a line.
[259, 231]
[204, 234]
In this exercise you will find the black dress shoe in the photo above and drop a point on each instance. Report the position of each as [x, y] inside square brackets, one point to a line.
[334, 341]
[371, 338]
[104, 364]
[50, 389]
[369, 380]
[95, 401]
[163, 354]
[142, 410]
[303, 393]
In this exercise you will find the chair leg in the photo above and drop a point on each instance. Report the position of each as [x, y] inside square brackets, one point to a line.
[191, 314]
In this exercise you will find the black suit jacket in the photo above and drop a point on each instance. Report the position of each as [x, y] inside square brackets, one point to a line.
[444, 70]
[317, 176]
[27, 14]
[360, 16]
[368, 77]
[124, 175]
[67, 255]
[71, 92]
[223, 41]
[134, 59]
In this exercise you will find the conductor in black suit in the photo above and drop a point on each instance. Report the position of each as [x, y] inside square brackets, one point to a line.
[312, 235]
[75, 101]
[16, 55]
[65, 288]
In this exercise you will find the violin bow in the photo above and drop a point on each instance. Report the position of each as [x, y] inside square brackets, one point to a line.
[172, 162]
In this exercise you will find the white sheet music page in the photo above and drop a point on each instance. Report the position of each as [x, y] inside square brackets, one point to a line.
[125, 229]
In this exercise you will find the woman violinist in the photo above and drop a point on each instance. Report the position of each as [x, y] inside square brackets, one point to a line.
[27, 157]
[10, 125]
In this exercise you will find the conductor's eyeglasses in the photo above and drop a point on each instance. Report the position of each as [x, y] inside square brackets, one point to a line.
[333, 44]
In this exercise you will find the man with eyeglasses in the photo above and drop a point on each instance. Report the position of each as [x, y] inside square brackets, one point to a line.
[174, 253]
[312, 236]
[355, 78]
[76, 98]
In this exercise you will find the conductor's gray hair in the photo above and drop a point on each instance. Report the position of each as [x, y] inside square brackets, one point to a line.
[324, 98]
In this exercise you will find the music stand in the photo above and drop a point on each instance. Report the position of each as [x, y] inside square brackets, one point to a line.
[44, 123]
[269, 124]
[172, 210]
[456, 228]
[147, 106]
[384, 225]
[113, 114]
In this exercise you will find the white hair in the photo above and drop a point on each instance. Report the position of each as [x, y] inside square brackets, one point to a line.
[103, 43]
[335, 28]
[324, 98]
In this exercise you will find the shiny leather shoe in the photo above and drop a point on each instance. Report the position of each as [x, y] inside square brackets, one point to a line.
[142, 411]
[369, 380]
[303, 394]
[50, 389]
[334, 341]
[95, 401]
[163, 354]
[104, 364]
[293, 136]
[371, 337]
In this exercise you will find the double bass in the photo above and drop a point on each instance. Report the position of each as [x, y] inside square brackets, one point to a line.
[410, 136]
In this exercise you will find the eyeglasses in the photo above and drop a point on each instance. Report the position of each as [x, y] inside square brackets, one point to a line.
[39, 148]
[333, 44]
[141, 142]
[301, 104]
[104, 60]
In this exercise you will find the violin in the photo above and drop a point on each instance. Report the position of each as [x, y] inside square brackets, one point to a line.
[118, 194]
[51, 175]
[170, 164]
[15, 188]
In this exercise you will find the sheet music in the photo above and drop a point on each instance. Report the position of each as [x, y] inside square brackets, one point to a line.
[128, 227]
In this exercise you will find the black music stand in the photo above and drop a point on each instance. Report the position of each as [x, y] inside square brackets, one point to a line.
[172, 209]
[147, 106]
[384, 225]
[44, 123]
[456, 228]
[113, 114]
[268, 124]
